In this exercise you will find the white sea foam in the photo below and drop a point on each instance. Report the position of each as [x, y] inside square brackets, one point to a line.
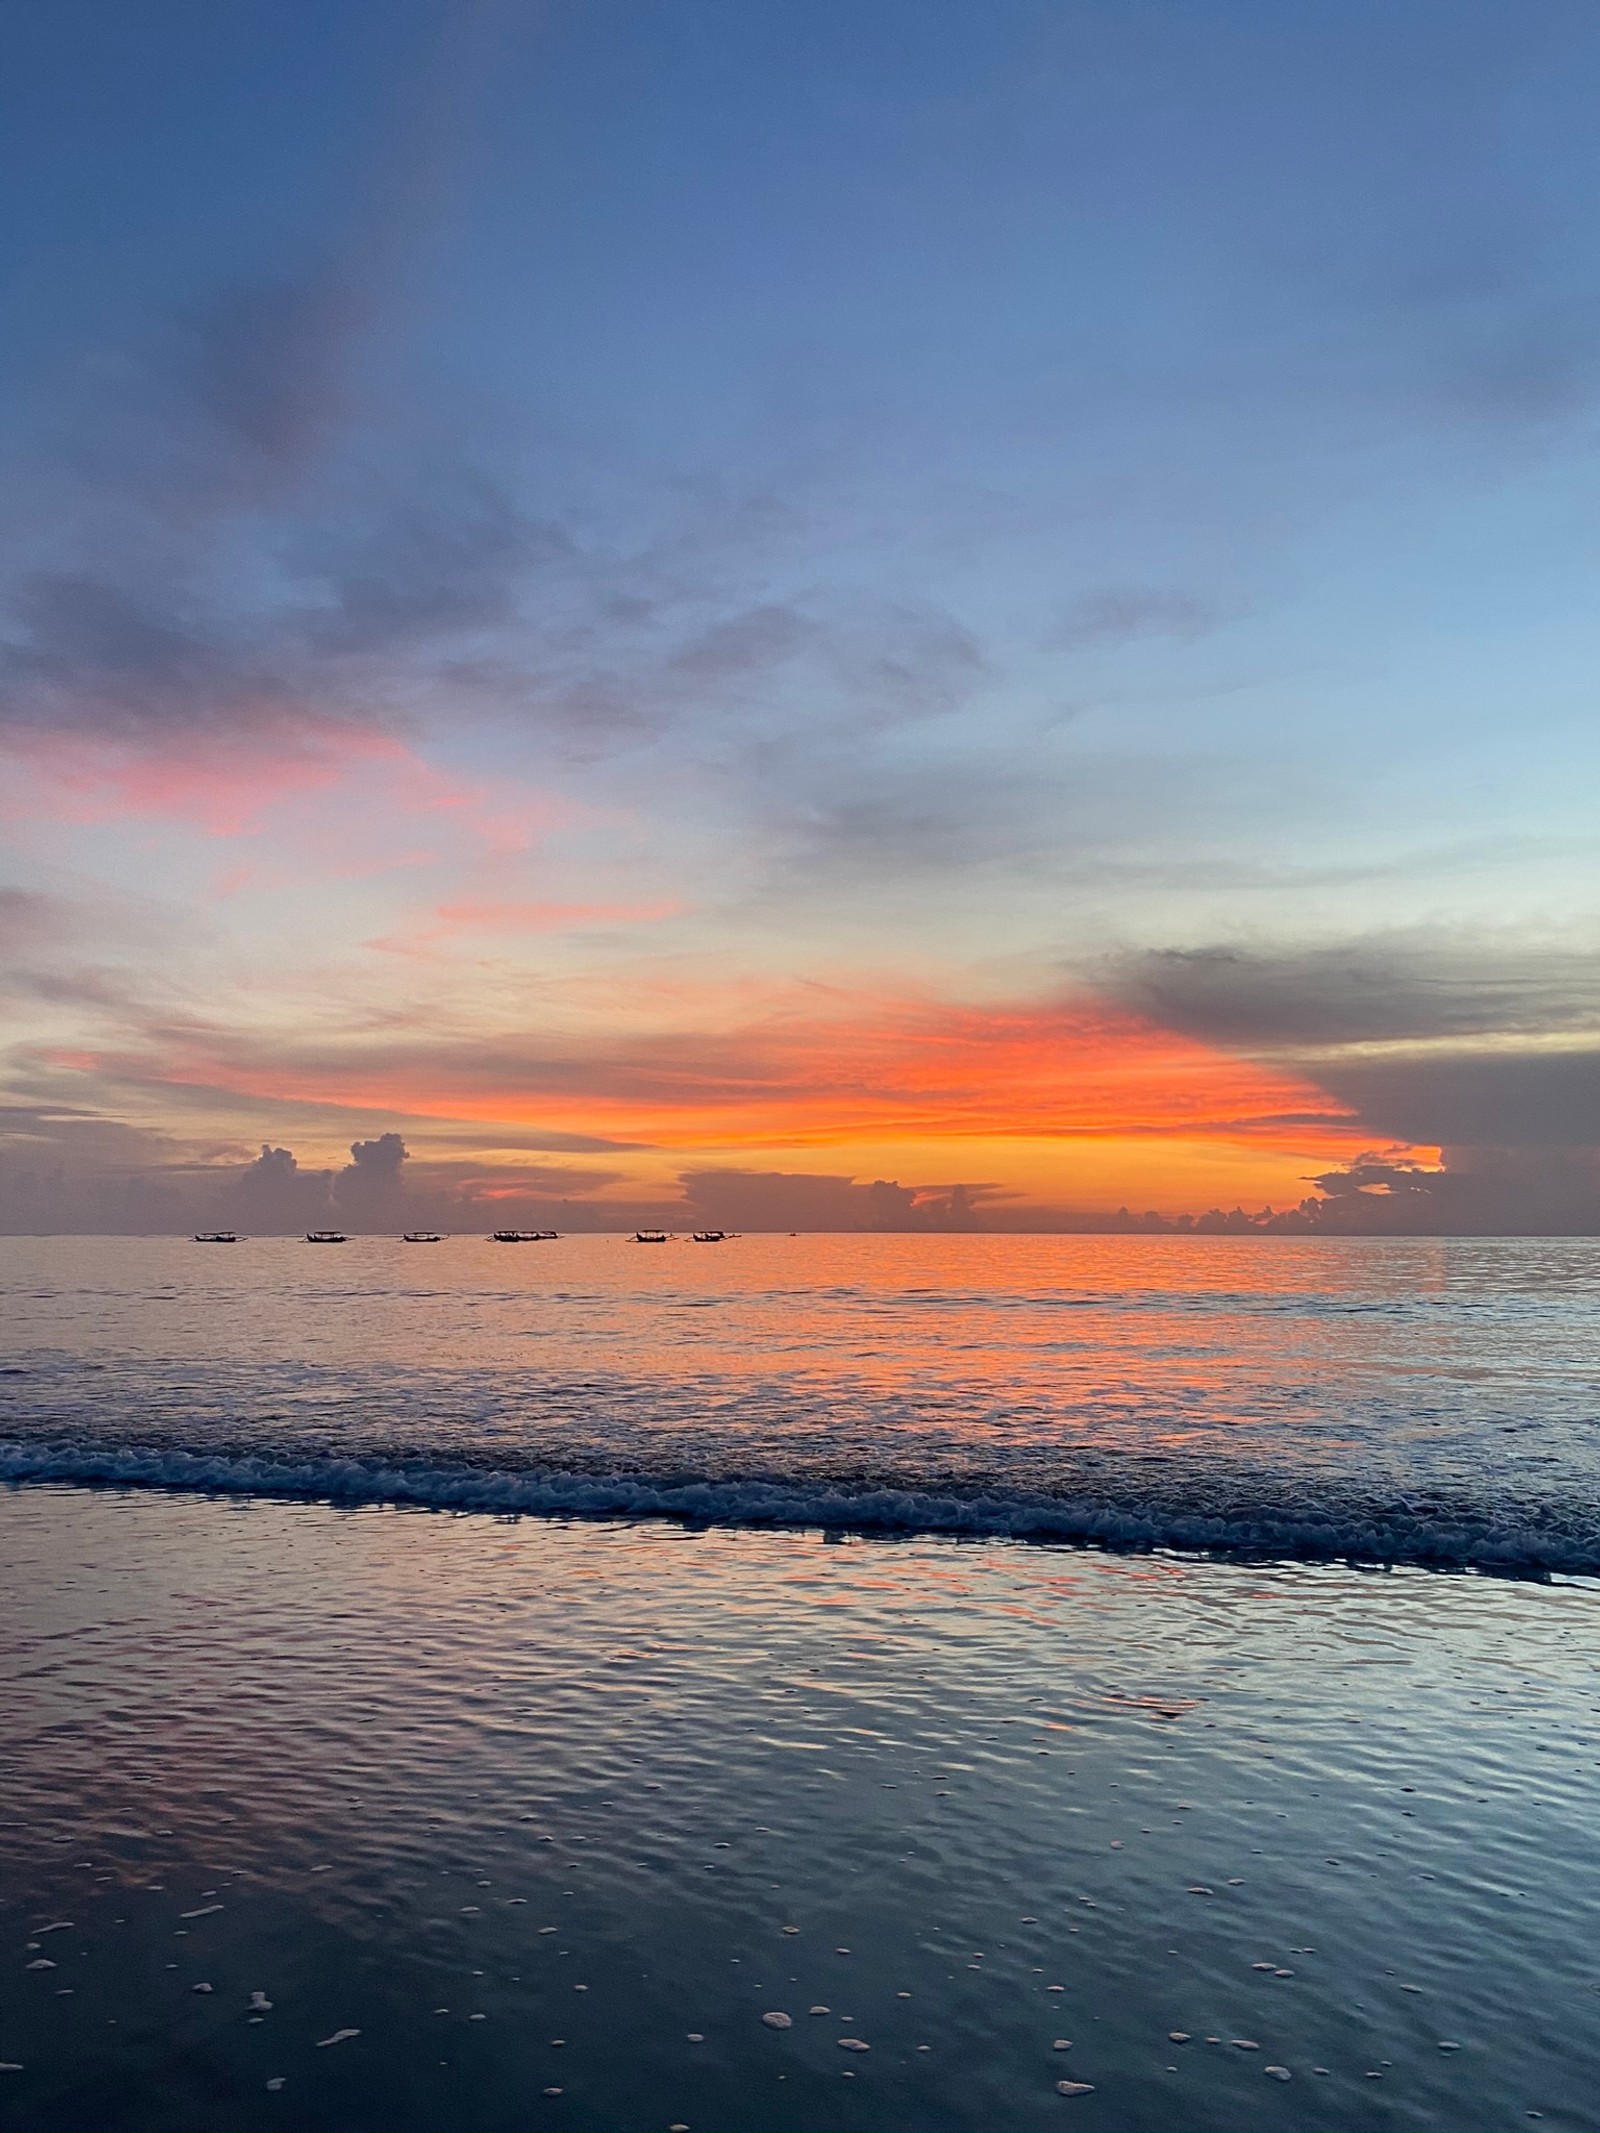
[1496, 1539]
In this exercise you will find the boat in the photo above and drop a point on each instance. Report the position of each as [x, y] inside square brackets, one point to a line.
[422, 1236]
[651, 1236]
[325, 1236]
[215, 1236]
[524, 1236]
[711, 1236]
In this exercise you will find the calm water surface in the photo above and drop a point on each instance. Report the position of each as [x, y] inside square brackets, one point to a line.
[529, 1824]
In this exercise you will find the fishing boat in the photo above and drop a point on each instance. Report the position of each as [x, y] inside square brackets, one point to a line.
[711, 1236]
[421, 1236]
[215, 1236]
[651, 1236]
[325, 1236]
[524, 1236]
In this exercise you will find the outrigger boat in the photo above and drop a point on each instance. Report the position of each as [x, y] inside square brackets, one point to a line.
[711, 1236]
[421, 1236]
[215, 1236]
[651, 1236]
[326, 1236]
[525, 1236]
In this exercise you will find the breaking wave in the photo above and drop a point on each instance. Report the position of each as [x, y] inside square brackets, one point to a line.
[1508, 1538]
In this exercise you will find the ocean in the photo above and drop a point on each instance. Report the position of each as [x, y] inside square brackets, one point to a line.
[882, 1683]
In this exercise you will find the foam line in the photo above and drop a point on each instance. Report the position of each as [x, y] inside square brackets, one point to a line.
[1390, 1536]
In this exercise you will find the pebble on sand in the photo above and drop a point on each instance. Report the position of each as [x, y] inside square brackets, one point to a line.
[818, 2010]
[854, 2044]
[40, 1962]
[338, 2037]
[1278, 2073]
[1178, 2036]
[1062, 2044]
[778, 2020]
[1074, 2088]
[199, 1988]
[696, 2036]
[260, 2004]
[1446, 2046]
[1244, 2044]
[555, 2092]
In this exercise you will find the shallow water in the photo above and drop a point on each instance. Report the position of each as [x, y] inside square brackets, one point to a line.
[460, 1787]
[1407, 1400]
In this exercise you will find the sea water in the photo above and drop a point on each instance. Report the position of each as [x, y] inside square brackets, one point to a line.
[1393, 1401]
[329, 1808]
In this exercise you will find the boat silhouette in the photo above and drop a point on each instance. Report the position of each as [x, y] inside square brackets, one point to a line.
[524, 1236]
[326, 1236]
[215, 1236]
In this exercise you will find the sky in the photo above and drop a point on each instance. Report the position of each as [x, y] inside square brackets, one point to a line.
[968, 614]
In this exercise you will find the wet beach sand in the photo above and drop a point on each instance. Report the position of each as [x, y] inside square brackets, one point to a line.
[394, 1818]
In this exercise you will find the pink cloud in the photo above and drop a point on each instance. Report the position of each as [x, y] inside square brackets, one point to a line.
[333, 796]
[452, 920]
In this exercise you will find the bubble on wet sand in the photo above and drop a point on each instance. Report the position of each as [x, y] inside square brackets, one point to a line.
[1074, 2088]
[40, 1962]
[696, 2036]
[339, 2036]
[777, 2019]
[10, 2066]
[555, 2092]
[275, 2083]
[200, 1988]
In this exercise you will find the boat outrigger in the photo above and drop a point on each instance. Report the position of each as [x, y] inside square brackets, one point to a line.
[326, 1236]
[525, 1236]
[651, 1236]
[421, 1236]
[215, 1236]
[712, 1236]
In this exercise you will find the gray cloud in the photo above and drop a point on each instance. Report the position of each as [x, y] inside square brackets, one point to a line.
[1428, 1041]
[265, 361]
[1479, 1191]
[1535, 1099]
[1384, 989]
[84, 655]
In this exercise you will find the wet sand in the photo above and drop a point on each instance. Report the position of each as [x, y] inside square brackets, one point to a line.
[393, 1819]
